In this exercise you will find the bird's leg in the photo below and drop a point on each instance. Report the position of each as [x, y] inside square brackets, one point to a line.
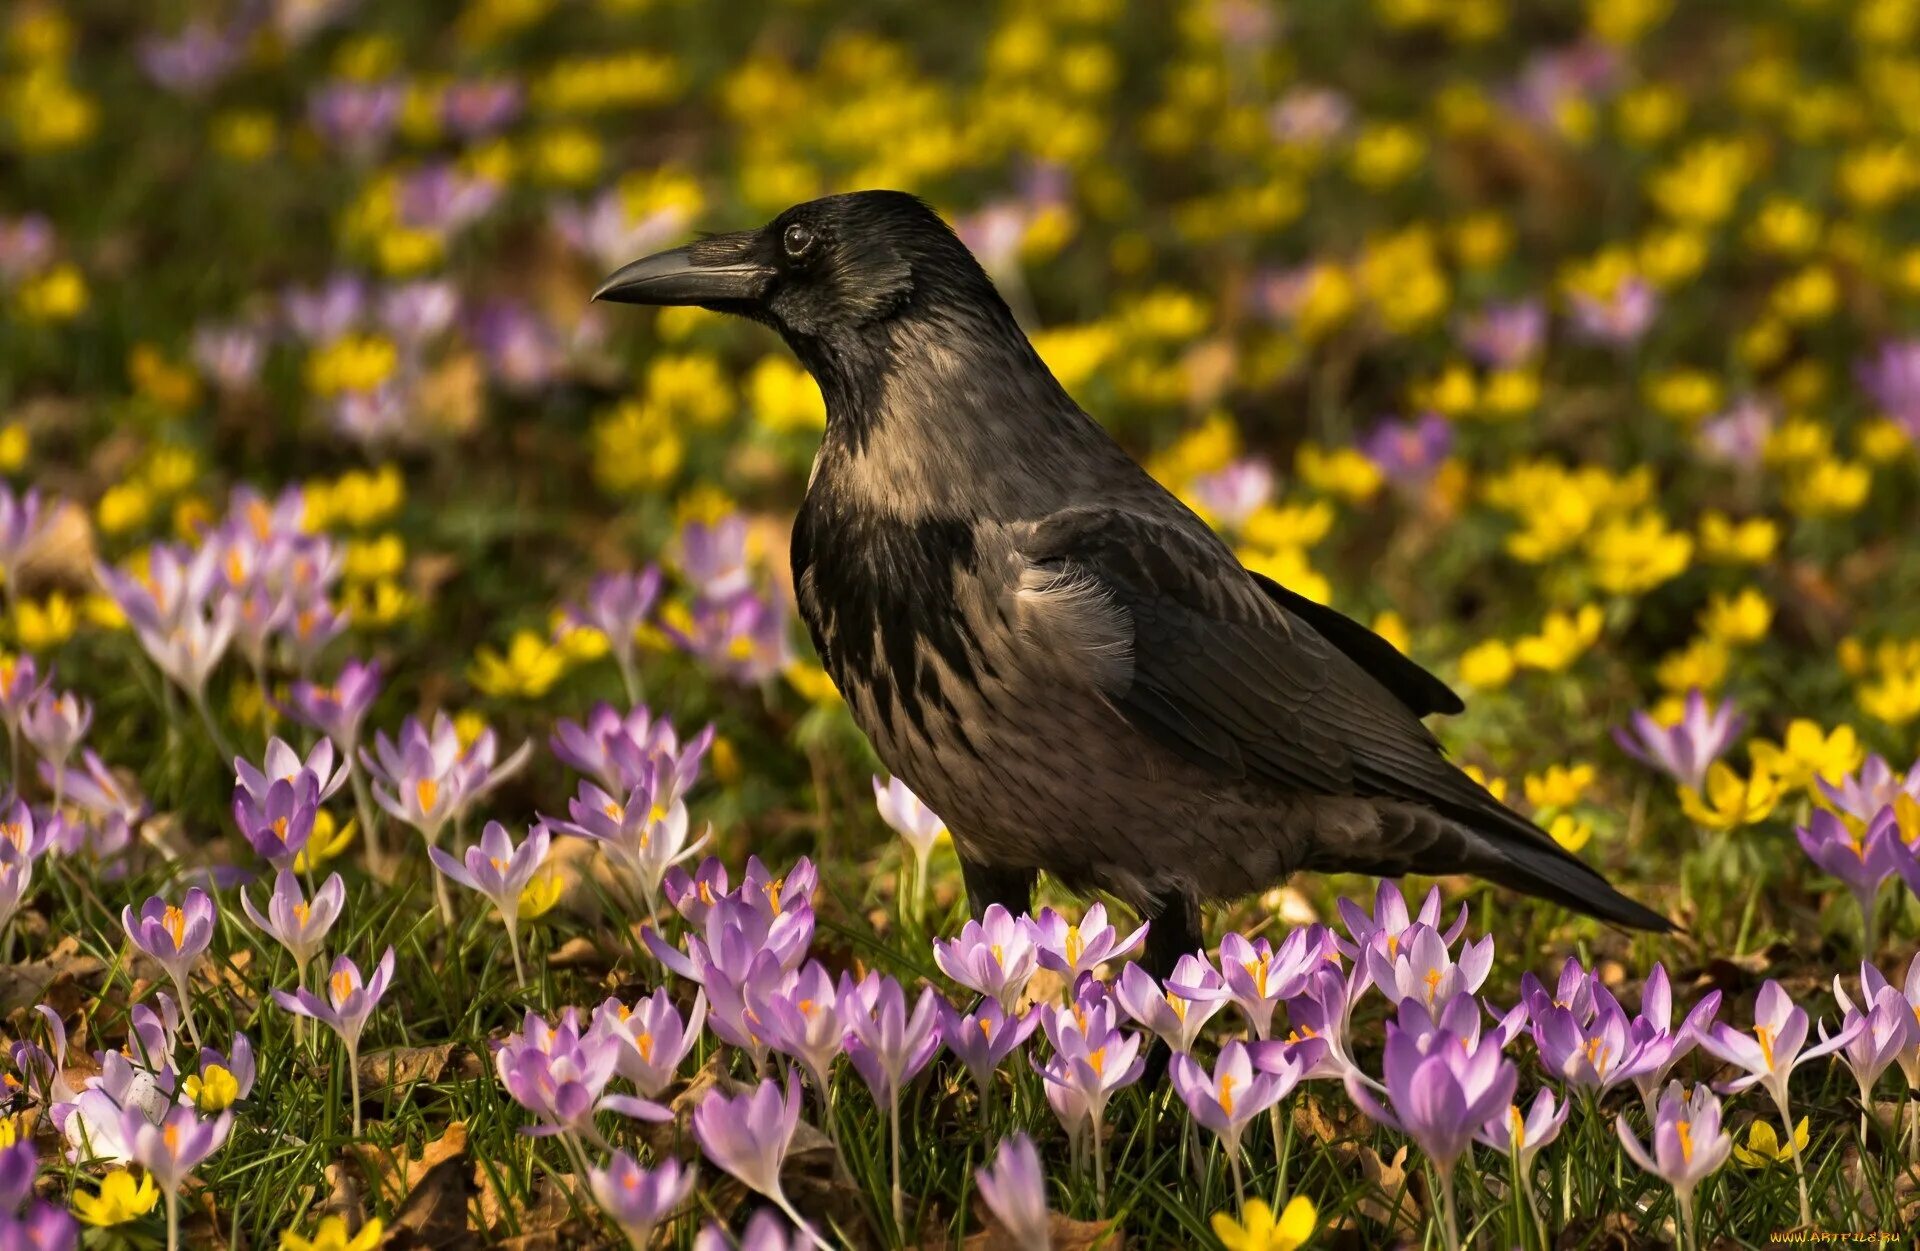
[988, 884]
[1172, 931]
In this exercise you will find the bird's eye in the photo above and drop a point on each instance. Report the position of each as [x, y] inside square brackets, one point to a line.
[798, 240]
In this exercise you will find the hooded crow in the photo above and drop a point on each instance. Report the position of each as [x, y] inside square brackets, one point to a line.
[1055, 653]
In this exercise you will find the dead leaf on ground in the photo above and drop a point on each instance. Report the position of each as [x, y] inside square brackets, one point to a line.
[1063, 1234]
[64, 978]
[549, 1223]
[395, 1068]
[432, 1192]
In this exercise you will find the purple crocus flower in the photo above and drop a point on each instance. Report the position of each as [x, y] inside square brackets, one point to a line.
[16, 877]
[1425, 970]
[1322, 1012]
[1884, 1028]
[1506, 336]
[1235, 493]
[1175, 1019]
[1621, 318]
[618, 750]
[337, 709]
[171, 1149]
[1092, 1060]
[356, 117]
[1014, 1188]
[421, 781]
[26, 247]
[473, 108]
[1391, 921]
[278, 822]
[1739, 435]
[1257, 976]
[1521, 1137]
[916, 824]
[1228, 1099]
[1892, 378]
[984, 1038]
[643, 830]
[742, 638]
[55, 724]
[1685, 749]
[1875, 785]
[638, 1199]
[494, 867]
[617, 605]
[1078, 948]
[1770, 1051]
[176, 937]
[229, 356]
[800, 1017]
[656, 1038]
[351, 1000]
[889, 1047]
[994, 956]
[1591, 1049]
[295, 923]
[191, 63]
[282, 763]
[560, 1073]
[1689, 1144]
[748, 1137]
[712, 557]
[1862, 855]
[1441, 1091]
[1408, 452]
[1664, 1045]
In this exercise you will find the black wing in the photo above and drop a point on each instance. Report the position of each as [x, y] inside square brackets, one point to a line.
[1413, 686]
[1226, 675]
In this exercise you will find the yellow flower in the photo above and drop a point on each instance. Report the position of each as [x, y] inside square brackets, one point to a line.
[1392, 627]
[59, 294]
[120, 1199]
[1510, 393]
[213, 1091]
[1725, 541]
[1763, 1148]
[542, 892]
[692, 389]
[580, 644]
[1560, 786]
[1809, 753]
[357, 499]
[41, 626]
[331, 1235]
[1404, 281]
[1487, 666]
[784, 397]
[1648, 114]
[1385, 154]
[1622, 22]
[1075, 353]
[1342, 472]
[1296, 525]
[1496, 787]
[1807, 296]
[528, 670]
[353, 362]
[370, 560]
[327, 841]
[1685, 395]
[1633, 555]
[1702, 663]
[1736, 620]
[812, 683]
[636, 448]
[124, 506]
[1290, 568]
[1732, 801]
[1453, 394]
[1326, 301]
[377, 606]
[1893, 699]
[1829, 487]
[1563, 639]
[1702, 186]
[1880, 441]
[15, 443]
[1481, 240]
[1570, 832]
[245, 136]
[1257, 1230]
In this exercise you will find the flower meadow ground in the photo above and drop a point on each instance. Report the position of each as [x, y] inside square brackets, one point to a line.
[425, 825]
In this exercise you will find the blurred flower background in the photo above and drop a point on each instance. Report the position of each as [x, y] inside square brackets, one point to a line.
[370, 597]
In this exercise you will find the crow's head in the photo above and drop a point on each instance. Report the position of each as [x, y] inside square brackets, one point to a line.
[828, 269]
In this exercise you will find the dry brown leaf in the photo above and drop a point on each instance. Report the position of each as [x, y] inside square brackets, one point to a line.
[396, 1067]
[1063, 1234]
[432, 1192]
[64, 978]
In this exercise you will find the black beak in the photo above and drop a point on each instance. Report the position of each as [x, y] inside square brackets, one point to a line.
[713, 272]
